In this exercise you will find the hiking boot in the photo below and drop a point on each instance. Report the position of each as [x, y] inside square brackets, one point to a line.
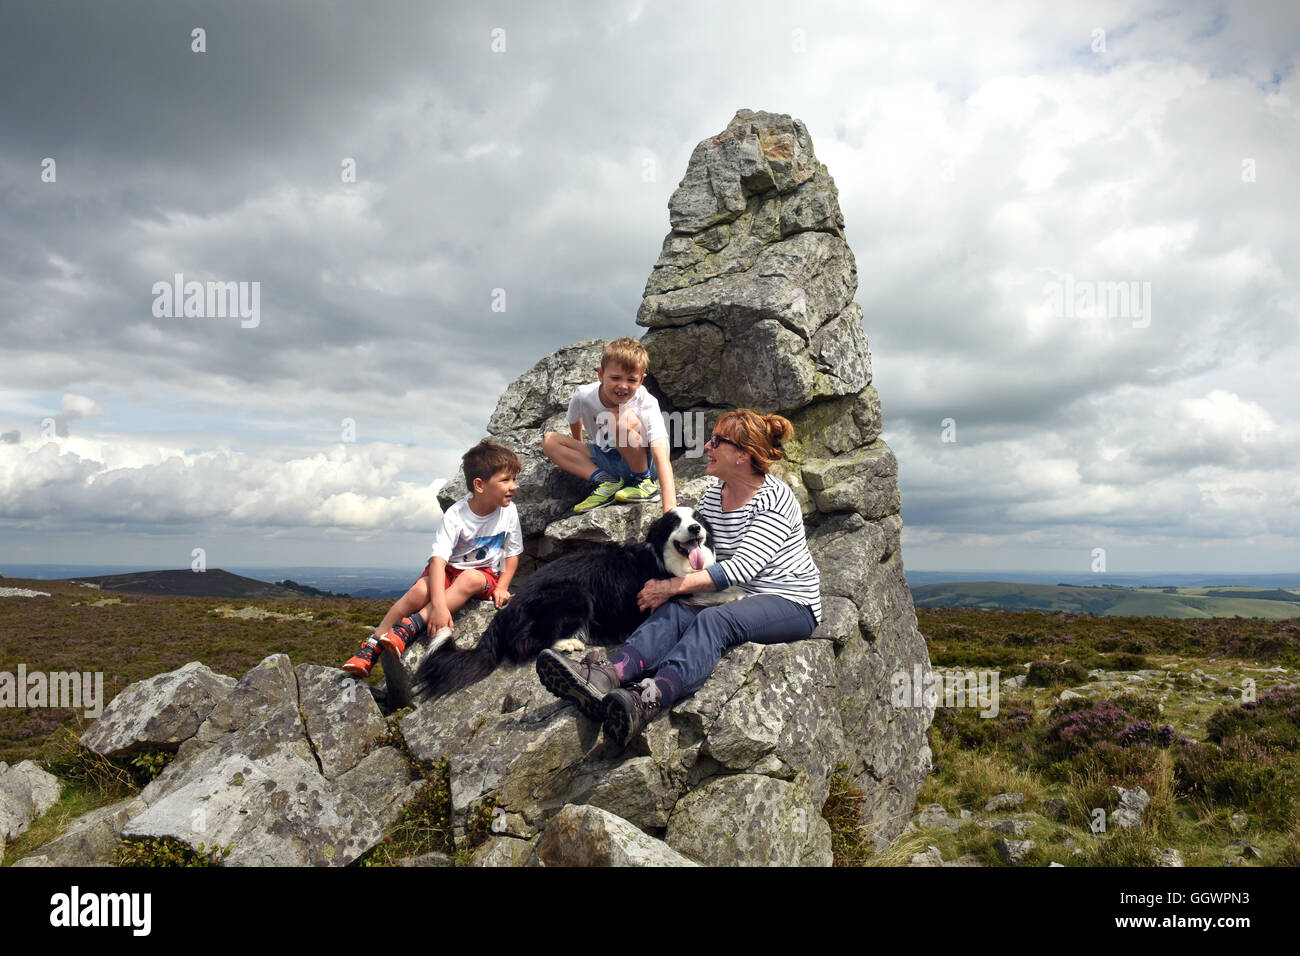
[360, 663]
[585, 683]
[403, 632]
[647, 489]
[601, 494]
[627, 710]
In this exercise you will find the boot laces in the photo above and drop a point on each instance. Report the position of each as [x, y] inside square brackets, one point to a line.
[648, 691]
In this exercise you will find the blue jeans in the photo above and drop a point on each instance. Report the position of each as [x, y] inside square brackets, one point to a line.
[690, 640]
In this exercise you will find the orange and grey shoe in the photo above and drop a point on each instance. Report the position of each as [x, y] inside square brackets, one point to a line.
[403, 632]
[360, 663]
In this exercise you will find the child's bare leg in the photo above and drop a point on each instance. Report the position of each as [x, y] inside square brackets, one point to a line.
[569, 453]
[414, 599]
[467, 584]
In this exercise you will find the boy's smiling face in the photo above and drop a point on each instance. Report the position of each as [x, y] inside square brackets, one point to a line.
[618, 384]
[498, 491]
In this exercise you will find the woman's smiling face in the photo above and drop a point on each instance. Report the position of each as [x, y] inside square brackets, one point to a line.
[725, 458]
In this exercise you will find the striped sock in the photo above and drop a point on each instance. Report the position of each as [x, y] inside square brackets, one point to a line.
[628, 665]
[670, 683]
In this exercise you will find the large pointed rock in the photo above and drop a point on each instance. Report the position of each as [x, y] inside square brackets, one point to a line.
[750, 305]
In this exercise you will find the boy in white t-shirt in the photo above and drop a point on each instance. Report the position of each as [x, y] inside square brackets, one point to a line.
[625, 456]
[475, 554]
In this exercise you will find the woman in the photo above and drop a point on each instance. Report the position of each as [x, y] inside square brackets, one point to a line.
[759, 541]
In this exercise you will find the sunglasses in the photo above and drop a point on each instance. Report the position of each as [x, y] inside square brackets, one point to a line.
[716, 440]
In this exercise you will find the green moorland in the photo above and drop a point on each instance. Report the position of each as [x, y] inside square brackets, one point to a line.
[1159, 706]
[1203, 714]
[1272, 603]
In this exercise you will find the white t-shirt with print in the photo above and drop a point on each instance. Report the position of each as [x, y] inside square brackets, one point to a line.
[466, 540]
[598, 422]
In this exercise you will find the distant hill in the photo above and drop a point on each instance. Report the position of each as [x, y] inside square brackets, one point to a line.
[1271, 603]
[213, 583]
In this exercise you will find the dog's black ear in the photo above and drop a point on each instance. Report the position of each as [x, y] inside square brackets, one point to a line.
[663, 528]
[656, 541]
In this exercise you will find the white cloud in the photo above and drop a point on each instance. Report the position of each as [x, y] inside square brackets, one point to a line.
[130, 482]
[979, 153]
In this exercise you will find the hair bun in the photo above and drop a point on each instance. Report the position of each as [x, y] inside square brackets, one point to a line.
[778, 429]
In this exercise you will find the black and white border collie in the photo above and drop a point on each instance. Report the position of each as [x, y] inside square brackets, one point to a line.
[588, 596]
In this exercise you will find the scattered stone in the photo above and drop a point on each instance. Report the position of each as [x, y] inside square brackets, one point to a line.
[1054, 863]
[1168, 857]
[934, 815]
[1247, 849]
[1014, 852]
[1015, 828]
[1004, 801]
[251, 613]
[965, 860]
[589, 836]
[931, 857]
[1239, 820]
[26, 792]
[1071, 695]
[1132, 804]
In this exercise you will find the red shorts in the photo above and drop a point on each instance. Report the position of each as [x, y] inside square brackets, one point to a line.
[451, 574]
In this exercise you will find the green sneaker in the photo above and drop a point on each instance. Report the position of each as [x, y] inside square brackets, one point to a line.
[647, 489]
[602, 494]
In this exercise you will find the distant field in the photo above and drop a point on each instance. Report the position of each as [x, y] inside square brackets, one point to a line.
[1272, 604]
[128, 637]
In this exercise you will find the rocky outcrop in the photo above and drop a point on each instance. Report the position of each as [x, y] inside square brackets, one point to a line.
[749, 305]
[274, 766]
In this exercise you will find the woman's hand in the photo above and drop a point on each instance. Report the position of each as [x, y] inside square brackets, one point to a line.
[656, 593]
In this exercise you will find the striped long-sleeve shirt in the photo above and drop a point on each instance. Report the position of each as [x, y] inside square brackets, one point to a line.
[761, 546]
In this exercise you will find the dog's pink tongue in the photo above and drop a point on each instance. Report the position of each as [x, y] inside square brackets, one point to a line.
[696, 558]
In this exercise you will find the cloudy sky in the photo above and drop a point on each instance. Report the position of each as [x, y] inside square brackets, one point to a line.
[993, 161]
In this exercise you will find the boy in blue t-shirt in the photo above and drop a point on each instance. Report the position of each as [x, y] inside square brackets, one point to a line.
[475, 554]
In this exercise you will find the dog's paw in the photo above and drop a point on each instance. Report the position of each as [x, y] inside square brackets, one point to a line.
[568, 644]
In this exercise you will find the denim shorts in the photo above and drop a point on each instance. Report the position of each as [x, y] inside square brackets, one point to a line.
[614, 463]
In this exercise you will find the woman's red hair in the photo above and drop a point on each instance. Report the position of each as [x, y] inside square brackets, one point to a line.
[760, 435]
